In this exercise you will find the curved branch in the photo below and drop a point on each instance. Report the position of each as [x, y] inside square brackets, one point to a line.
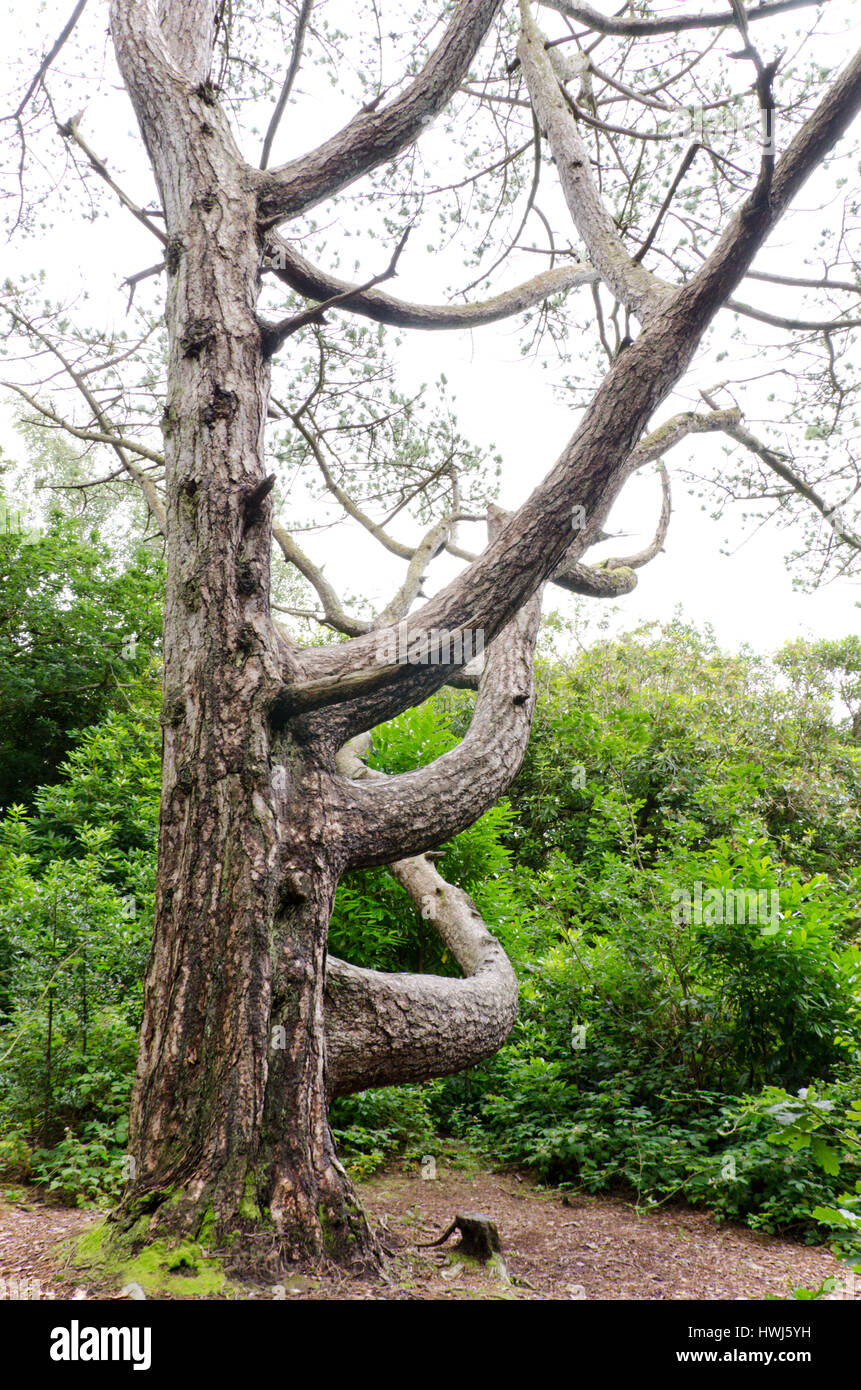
[577, 578]
[333, 675]
[383, 1029]
[373, 138]
[640, 291]
[656, 544]
[307, 279]
[594, 582]
[677, 428]
[275, 334]
[386, 818]
[639, 28]
[612, 578]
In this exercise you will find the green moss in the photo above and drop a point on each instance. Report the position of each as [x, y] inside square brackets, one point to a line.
[91, 1247]
[181, 1270]
[248, 1208]
[178, 1270]
[206, 1234]
[457, 1257]
[325, 1229]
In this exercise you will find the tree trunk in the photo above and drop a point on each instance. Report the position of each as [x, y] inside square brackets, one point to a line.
[229, 1130]
[229, 1113]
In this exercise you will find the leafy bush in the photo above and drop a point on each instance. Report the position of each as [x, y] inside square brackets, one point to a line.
[86, 1170]
[77, 629]
[373, 1127]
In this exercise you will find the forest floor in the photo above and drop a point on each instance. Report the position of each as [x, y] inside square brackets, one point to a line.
[554, 1246]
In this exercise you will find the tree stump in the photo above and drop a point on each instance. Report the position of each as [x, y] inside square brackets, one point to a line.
[479, 1238]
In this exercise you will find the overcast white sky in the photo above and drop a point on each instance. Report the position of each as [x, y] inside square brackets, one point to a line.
[747, 595]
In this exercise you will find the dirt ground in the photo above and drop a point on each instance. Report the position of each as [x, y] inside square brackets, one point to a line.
[553, 1247]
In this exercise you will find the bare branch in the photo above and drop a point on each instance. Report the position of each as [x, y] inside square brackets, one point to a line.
[778, 464]
[147, 486]
[810, 284]
[592, 581]
[378, 532]
[116, 441]
[687, 161]
[729, 261]
[428, 548]
[673, 431]
[275, 334]
[640, 291]
[295, 60]
[373, 137]
[656, 545]
[307, 279]
[70, 131]
[335, 615]
[794, 325]
[134, 280]
[676, 24]
[50, 56]
[592, 470]
[615, 577]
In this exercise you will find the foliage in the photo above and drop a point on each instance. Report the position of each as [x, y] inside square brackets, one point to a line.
[77, 879]
[77, 632]
[375, 1126]
[826, 1123]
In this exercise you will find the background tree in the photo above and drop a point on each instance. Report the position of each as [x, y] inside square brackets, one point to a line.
[75, 629]
[248, 1029]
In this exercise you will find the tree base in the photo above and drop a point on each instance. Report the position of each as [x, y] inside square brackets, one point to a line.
[168, 1244]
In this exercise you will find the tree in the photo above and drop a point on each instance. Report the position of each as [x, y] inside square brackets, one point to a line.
[74, 630]
[248, 1028]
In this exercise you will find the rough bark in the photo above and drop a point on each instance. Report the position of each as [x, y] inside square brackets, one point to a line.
[383, 1029]
[226, 1121]
[229, 1127]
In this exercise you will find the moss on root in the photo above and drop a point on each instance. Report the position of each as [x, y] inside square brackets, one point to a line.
[179, 1270]
[165, 1242]
[248, 1207]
